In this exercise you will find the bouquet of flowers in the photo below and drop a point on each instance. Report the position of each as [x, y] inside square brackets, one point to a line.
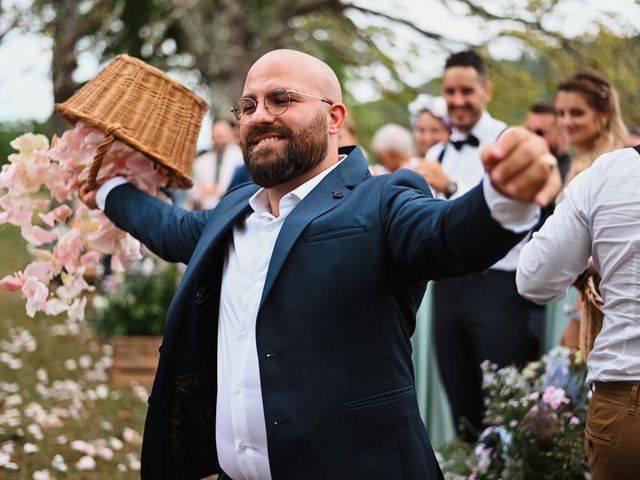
[535, 421]
[67, 239]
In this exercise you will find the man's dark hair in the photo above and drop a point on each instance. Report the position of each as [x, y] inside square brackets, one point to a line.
[468, 58]
[542, 107]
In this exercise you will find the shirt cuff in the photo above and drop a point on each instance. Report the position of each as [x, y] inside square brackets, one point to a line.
[510, 214]
[103, 191]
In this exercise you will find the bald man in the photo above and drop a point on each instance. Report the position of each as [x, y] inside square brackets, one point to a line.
[286, 352]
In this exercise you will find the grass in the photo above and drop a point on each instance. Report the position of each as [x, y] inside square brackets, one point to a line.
[89, 408]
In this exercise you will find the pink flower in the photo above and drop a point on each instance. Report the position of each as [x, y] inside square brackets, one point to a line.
[67, 249]
[574, 421]
[13, 283]
[42, 271]
[36, 293]
[554, 397]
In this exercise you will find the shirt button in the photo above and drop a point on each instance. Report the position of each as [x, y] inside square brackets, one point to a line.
[269, 228]
[244, 334]
[236, 391]
[242, 447]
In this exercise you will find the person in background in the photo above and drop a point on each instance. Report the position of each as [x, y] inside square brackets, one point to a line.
[392, 145]
[429, 121]
[599, 218]
[541, 120]
[213, 170]
[588, 115]
[480, 316]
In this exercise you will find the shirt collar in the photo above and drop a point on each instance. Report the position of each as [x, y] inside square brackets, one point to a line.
[259, 202]
[480, 130]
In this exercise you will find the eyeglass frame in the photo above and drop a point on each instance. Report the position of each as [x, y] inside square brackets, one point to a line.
[255, 101]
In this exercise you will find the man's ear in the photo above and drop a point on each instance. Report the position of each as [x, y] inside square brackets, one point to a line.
[488, 91]
[337, 115]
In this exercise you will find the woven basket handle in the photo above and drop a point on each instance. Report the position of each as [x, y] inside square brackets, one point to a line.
[101, 151]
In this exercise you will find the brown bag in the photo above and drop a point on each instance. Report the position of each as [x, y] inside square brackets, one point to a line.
[591, 315]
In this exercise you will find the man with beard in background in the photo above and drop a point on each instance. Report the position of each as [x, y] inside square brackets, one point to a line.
[286, 352]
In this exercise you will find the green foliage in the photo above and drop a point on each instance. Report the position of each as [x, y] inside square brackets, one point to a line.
[11, 130]
[137, 305]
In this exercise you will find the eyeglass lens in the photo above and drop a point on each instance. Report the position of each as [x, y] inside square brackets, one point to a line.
[276, 102]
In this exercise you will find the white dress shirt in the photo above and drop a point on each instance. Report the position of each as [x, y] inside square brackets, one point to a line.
[464, 167]
[241, 436]
[599, 217]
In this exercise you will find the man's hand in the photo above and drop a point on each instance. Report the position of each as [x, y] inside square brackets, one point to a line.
[433, 174]
[87, 194]
[521, 167]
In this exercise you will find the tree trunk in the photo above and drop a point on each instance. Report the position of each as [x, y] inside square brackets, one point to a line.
[64, 63]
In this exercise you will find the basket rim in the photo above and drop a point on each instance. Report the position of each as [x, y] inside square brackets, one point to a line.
[73, 116]
[165, 76]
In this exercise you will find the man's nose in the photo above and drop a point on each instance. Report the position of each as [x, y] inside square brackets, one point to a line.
[458, 99]
[262, 115]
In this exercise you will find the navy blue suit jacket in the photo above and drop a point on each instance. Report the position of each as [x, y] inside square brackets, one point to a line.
[346, 277]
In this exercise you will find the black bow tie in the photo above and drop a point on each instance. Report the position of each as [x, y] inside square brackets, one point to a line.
[471, 140]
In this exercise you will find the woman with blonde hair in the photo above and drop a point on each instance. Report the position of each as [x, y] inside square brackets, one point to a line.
[588, 115]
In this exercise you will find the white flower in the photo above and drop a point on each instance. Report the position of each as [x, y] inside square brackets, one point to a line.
[102, 391]
[58, 463]
[131, 436]
[115, 443]
[106, 425]
[85, 361]
[70, 364]
[12, 400]
[42, 376]
[30, 448]
[104, 452]
[35, 430]
[86, 463]
[41, 475]
[134, 463]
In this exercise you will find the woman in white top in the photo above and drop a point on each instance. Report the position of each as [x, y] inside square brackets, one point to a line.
[600, 218]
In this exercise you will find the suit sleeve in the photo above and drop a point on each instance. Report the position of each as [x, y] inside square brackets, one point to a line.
[433, 239]
[170, 232]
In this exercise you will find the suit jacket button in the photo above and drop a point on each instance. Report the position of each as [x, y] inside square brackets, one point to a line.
[338, 194]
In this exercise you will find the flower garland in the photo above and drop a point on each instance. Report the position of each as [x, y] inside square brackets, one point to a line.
[67, 239]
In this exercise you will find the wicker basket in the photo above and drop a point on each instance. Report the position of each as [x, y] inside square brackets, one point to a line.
[591, 314]
[141, 106]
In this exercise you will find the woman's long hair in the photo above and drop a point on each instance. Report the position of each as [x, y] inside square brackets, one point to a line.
[603, 98]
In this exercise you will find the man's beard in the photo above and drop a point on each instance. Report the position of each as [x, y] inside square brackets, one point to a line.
[302, 151]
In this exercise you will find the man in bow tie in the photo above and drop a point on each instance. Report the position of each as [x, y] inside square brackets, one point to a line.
[479, 316]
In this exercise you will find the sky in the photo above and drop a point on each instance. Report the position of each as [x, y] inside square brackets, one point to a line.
[25, 84]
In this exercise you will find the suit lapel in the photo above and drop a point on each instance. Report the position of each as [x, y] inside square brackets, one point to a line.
[223, 217]
[329, 193]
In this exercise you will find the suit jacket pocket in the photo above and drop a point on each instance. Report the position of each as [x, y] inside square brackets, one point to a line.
[379, 398]
[335, 233]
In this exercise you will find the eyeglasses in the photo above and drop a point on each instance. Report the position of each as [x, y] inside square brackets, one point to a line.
[276, 102]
